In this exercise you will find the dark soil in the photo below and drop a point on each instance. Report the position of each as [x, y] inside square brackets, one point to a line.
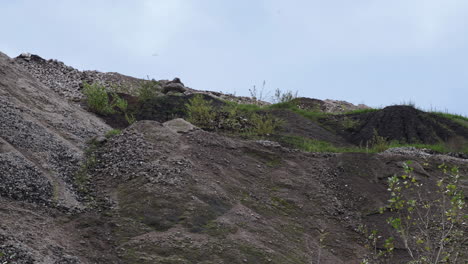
[118, 120]
[404, 124]
[161, 108]
[299, 126]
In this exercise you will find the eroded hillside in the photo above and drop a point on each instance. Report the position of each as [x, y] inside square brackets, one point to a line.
[165, 191]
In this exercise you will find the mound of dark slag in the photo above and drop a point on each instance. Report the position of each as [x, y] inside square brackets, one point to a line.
[406, 125]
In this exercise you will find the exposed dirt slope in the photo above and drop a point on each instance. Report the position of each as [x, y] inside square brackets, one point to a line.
[299, 126]
[172, 193]
[42, 138]
[42, 135]
[203, 198]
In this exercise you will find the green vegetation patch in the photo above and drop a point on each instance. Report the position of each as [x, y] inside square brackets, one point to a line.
[462, 120]
[429, 223]
[376, 145]
[107, 103]
[82, 177]
[200, 112]
[312, 115]
[113, 132]
[97, 98]
[246, 120]
[313, 145]
[148, 90]
[362, 111]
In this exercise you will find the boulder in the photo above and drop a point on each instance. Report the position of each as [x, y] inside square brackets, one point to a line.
[179, 125]
[176, 80]
[174, 87]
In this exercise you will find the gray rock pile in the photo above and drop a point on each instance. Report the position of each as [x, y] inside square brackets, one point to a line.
[337, 106]
[424, 153]
[141, 151]
[174, 86]
[327, 106]
[42, 136]
[67, 81]
[12, 252]
[22, 180]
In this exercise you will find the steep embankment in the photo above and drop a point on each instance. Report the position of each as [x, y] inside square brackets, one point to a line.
[42, 138]
[172, 193]
[197, 197]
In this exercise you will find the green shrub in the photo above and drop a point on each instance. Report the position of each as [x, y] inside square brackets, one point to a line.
[97, 98]
[98, 102]
[119, 102]
[200, 112]
[263, 124]
[231, 118]
[122, 105]
[148, 90]
[120, 88]
[311, 145]
[312, 115]
[130, 118]
[431, 224]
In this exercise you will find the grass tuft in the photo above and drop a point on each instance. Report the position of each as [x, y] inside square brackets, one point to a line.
[113, 132]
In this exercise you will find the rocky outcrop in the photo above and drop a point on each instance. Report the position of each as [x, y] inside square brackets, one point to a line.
[179, 125]
[174, 86]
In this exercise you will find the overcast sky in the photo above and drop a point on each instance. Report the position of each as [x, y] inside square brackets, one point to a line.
[376, 52]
